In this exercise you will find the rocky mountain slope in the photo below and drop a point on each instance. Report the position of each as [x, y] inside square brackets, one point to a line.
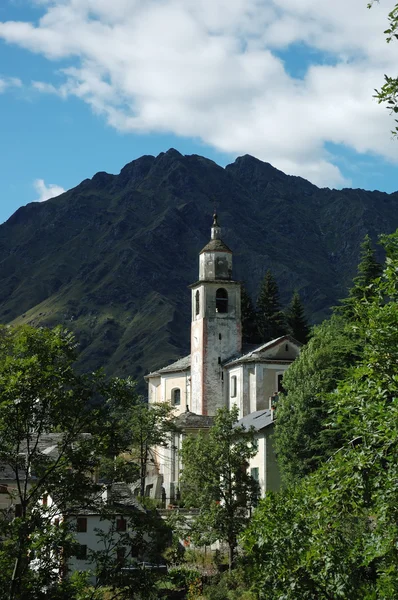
[112, 258]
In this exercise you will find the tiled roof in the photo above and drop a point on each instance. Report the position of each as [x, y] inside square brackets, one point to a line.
[255, 354]
[190, 420]
[179, 365]
[216, 246]
[47, 444]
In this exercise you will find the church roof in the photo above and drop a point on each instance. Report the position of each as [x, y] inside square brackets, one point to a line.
[182, 364]
[257, 353]
[190, 420]
[216, 246]
[257, 420]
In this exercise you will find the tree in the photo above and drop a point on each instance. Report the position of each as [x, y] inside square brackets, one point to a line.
[270, 317]
[249, 318]
[369, 270]
[40, 393]
[303, 435]
[303, 438]
[143, 428]
[334, 535]
[296, 320]
[215, 479]
[55, 428]
[388, 93]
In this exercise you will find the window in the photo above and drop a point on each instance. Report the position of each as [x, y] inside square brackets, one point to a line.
[18, 510]
[286, 347]
[280, 384]
[176, 397]
[233, 386]
[121, 524]
[81, 551]
[3, 489]
[45, 500]
[254, 473]
[81, 524]
[221, 301]
[121, 554]
[197, 303]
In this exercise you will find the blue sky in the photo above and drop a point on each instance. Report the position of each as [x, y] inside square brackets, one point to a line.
[89, 85]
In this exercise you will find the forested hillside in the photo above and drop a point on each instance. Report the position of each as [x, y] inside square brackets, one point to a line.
[112, 258]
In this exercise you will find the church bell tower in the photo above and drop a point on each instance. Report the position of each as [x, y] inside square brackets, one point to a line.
[216, 332]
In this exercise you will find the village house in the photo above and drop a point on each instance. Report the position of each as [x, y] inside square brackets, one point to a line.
[108, 523]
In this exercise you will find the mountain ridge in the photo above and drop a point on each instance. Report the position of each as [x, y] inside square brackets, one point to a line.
[111, 259]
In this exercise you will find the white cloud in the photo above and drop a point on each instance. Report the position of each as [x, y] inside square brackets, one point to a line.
[46, 191]
[210, 69]
[9, 82]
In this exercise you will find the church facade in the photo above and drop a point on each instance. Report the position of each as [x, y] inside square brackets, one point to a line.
[219, 372]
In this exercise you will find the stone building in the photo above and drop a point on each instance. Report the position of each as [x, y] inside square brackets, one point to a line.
[219, 371]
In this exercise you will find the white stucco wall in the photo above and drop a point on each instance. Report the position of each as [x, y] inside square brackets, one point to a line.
[265, 462]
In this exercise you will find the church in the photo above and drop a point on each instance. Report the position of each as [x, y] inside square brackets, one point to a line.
[219, 372]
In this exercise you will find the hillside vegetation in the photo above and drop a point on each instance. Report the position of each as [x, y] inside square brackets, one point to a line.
[112, 258]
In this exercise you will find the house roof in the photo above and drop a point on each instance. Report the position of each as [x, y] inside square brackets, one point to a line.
[256, 353]
[182, 364]
[190, 420]
[118, 499]
[47, 444]
[257, 420]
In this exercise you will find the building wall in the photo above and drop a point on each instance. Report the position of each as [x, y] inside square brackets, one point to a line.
[286, 351]
[265, 462]
[215, 265]
[160, 389]
[94, 542]
[235, 400]
[215, 337]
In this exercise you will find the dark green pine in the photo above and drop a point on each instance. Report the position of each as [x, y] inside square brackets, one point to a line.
[369, 269]
[249, 318]
[271, 321]
[296, 319]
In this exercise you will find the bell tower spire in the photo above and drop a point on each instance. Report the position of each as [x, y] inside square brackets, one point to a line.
[215, 228]
[216, 323]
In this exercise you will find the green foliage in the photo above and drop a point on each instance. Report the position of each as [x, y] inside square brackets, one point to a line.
[364, 284]
[296, 319]
[183, 576]
[249, 318]
[334, 534]
[136, 427]
[40, 393]
[56, 429]
[215, 479]
[303, 439]
[270, 317]
[388, 93]
[229, 586]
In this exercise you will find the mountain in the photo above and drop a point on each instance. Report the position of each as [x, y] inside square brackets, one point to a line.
[112, 258]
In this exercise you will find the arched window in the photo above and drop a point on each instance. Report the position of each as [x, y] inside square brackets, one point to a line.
[221, 300]
[197, 296]
[176, 397]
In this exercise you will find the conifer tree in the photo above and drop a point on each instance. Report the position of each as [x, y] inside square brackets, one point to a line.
[270, 317]
[249, 318]
[296, 319]
[368, 271]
